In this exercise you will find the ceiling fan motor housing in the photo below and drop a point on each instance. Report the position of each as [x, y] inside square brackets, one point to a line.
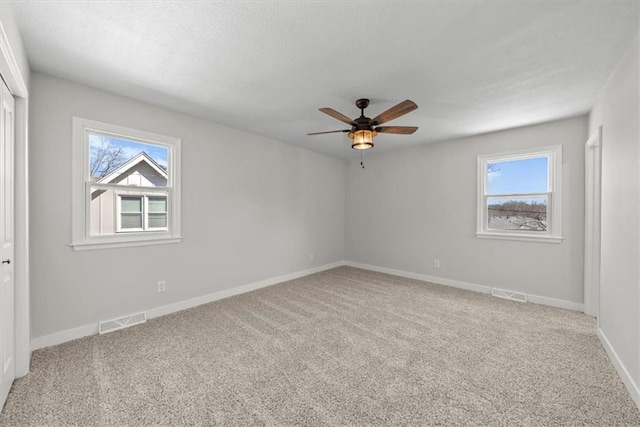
[362, 131]
[362, 103]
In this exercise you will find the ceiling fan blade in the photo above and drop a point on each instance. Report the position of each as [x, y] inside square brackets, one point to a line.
[336, 115]
[329, 131]
[394, 112]
[402, 130]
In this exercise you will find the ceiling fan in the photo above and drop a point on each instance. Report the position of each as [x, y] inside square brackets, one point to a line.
[363, 129]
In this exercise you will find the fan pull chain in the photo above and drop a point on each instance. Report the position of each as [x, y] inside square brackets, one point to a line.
[362, 158]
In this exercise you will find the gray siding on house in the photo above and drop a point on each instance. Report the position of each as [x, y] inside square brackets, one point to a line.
[103, 210]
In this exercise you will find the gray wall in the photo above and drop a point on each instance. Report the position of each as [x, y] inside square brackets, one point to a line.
[617, 110]
[252, 209]
[407, 208]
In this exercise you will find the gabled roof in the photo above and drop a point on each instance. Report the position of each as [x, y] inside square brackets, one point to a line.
[134, 161]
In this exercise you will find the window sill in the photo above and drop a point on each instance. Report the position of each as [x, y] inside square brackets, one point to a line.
[522, 238]
[112, 244]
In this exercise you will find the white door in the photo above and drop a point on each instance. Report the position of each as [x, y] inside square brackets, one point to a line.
[7, 327]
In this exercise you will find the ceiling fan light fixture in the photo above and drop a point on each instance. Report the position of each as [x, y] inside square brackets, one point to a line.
[362, 139]
[364, 129]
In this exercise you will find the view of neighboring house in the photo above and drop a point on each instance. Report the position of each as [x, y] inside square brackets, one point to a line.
[125, 200]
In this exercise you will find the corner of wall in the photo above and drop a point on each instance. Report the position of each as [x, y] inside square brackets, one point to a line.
[627, 379]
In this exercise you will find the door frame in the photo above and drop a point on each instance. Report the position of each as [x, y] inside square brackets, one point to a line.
[593, 191]
[10, 72]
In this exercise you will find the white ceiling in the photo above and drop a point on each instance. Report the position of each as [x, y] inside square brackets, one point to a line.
[267, 66]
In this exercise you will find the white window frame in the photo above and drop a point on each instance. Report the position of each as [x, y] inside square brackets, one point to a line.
[147, 212]
[554, 194]
[144, 213]
[118, 207]
[81, 238]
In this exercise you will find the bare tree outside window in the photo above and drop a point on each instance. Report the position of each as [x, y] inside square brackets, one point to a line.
[106, 156]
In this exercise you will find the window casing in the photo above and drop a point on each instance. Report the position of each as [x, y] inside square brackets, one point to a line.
[523, 214]
[104, 206]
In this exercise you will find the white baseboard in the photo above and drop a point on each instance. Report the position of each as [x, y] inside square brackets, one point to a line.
[423, 277]
[558, 303]
[183, 305]
[536, 299]
[92, 329]
[631, 386]
[64, 336]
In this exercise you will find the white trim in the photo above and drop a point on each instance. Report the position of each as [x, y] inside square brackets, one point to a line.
[147, 212]
[423, 277]
[554, 195]
[18, 87]
[64, 336]
[92, 329]
[592, 203]
[522, 238]
[183, 305]
[631, 386]
[555, 302]
[119, 196]
[536, 299]
[154, 240]
[14, 79]
[81, 238]
[595, 139]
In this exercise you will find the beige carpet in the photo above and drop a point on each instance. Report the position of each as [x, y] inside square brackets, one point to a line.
[342, 347]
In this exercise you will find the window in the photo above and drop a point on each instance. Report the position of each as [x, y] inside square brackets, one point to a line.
[140, 213]
[126, 188]
[519, 195]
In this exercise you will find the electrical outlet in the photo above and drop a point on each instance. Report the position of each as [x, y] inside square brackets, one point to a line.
[436, 263]
[311, 256]
[162, 285]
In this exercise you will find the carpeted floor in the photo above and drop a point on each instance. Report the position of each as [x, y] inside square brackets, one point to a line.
[341, 347]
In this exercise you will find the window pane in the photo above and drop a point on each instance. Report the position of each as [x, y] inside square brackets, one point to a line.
[126, 162]
[131, 204]
[157, 220]
[157, 204]
[131, 221]
[518, 176]
[519, 213]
